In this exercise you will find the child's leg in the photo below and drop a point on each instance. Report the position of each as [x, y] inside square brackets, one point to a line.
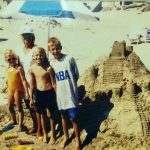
[52, 125]
[43, 118]
[33, 116]
[65, 130]
[77, 134]
[38, 118]
[11, 108]
[18, 99]
[32, 113]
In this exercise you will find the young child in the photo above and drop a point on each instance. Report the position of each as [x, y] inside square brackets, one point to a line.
[43, 85]
[25, 52]
[16, 86]
[66, 73]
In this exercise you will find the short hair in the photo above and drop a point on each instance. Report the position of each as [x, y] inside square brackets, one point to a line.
[30, 36]
[46, 61]
[56, 42]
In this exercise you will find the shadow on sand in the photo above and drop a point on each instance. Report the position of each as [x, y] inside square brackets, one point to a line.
[92, 113]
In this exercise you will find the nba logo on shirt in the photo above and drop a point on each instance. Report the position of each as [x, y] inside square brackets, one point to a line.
[62, 75]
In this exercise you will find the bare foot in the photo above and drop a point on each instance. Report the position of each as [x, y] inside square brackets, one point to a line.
[78, 147]
[19, 128]
[65, 143]
[52, 140]
[32, 131]
[45, 138]
[39, 136]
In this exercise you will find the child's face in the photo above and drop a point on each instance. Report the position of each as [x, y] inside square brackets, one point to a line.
[55, 51]
[12, 60]
[27, 41]
[39, 56]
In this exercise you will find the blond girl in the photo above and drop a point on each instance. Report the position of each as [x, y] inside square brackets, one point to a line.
[16, 86]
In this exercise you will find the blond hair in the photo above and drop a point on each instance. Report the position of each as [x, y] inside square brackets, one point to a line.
[11, 53]
[40, 49]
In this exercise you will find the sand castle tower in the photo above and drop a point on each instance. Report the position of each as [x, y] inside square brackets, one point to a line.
[120, 76]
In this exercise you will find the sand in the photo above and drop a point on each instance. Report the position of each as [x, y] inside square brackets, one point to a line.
[85, 40]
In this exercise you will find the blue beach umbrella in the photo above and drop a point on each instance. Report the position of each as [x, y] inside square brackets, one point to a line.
[50, 8]
[47, 8]
[22, 9]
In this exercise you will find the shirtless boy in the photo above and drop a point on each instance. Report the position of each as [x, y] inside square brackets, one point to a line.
[43, 86]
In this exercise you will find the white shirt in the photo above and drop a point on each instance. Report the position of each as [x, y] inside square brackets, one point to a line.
[25, 59]
[66, 74]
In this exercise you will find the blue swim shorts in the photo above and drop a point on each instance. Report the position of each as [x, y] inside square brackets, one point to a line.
[70, 113]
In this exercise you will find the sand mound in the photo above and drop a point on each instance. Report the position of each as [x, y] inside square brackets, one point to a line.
[123, 82]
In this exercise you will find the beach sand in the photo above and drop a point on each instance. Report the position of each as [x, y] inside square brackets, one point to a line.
[86, 41]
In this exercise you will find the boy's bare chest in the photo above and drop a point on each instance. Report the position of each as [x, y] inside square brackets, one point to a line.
[41, 73]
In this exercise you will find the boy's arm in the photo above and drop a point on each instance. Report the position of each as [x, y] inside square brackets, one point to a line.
[52, 77]
[24, 81]
[32, 85]
[74, 69]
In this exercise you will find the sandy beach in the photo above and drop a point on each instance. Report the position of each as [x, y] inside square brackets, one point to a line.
[81, 39]
[86, 41]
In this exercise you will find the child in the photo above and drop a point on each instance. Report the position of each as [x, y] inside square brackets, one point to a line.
[17, 86]
[25, 52]
[43, 85]
[66, 73]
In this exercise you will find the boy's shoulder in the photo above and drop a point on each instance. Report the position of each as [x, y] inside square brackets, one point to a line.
[67, 57]
[32, 67]
[70, 59]
[49, 68]
[53, 61]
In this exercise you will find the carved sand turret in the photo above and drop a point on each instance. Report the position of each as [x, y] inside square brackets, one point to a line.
[121, 74]
[113, 66]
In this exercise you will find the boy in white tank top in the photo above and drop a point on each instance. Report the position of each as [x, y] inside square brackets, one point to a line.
[66, 74]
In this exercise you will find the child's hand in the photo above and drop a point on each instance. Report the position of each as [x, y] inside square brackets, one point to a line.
[27, 96]
[31, 103]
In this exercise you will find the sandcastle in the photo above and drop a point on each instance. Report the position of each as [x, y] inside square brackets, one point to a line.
[126, 81]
